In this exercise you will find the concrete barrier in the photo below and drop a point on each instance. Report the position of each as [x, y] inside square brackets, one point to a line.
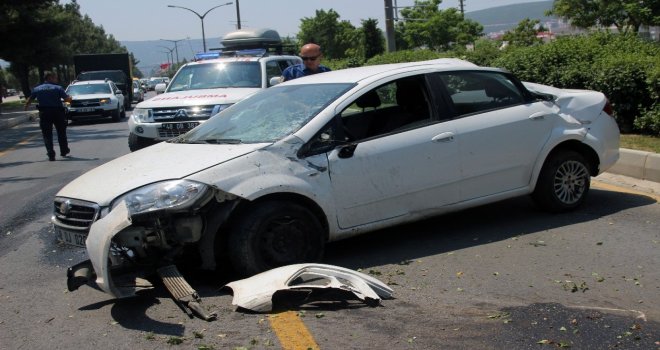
[638, 164]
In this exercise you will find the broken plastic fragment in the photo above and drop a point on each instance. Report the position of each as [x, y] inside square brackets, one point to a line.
[256, 293]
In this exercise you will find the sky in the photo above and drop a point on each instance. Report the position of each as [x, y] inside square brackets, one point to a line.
[138, 20]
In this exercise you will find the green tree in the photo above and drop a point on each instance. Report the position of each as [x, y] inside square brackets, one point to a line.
[525, 33]
[625, 15]
[373, 40]
[334, 36]
[425, 25]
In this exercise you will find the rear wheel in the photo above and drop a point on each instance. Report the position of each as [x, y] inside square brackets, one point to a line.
[272, 234]
[563, 183]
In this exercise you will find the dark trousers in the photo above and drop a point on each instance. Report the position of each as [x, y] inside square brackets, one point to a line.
[47, 118]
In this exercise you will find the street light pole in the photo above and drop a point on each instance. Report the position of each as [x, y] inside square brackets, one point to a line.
[176, 48]
[238, 16]
[201, 18]
[171, 54]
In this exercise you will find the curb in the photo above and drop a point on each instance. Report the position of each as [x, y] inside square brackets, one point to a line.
[638, 164]
[12, 122]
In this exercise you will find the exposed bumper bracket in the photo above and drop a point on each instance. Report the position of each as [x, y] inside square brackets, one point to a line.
[183, 293]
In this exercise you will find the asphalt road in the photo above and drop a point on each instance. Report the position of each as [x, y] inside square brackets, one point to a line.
[501, 276]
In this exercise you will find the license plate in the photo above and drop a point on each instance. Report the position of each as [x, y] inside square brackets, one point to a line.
[85, 109]
[71, 237]
[179, 126]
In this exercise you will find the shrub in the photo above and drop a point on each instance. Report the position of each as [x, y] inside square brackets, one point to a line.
[623, 67]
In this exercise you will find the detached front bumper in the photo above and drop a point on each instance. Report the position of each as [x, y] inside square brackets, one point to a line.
[97, 271]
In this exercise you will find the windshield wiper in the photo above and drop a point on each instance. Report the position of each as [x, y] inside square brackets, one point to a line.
[222, 141]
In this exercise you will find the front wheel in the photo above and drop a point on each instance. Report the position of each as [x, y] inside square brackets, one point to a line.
[270, 234]
[137, 142]
[563, 183]
[116, 114]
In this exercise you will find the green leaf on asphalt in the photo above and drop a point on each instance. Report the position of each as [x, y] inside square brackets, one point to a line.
[198, 335]
[175, 340]
[320, 315]
[563, 329]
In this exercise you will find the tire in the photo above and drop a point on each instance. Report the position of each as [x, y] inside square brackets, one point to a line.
[136, 142]
[563, 183]
[270, 234]
[116, 114]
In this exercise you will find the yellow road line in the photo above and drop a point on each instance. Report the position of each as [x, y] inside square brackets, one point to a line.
[291, 331]
[23, 142]
[614, 188]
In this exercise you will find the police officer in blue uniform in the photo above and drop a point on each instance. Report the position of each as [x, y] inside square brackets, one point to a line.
[51, 112]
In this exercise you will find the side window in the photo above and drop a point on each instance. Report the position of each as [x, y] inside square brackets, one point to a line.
[273, 69]
[473, 92]
[399, 105]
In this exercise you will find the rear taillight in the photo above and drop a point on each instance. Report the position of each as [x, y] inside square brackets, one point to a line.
[608, 108]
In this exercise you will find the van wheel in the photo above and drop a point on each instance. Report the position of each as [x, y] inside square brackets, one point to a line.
[563, 183]
[270, 234]
[136, 142]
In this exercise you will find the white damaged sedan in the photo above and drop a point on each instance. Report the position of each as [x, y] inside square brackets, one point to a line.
[270, 180]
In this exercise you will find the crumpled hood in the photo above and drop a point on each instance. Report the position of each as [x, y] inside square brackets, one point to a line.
[197, 97]
[163, 161]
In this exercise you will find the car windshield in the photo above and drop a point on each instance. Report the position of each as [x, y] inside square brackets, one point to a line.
[118, 77]
[88, 89]
[217, 75]
[266, 116]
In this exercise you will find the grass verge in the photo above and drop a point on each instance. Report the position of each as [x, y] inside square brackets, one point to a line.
[641, 142]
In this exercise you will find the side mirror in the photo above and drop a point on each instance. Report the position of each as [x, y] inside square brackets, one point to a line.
[274, 81]
[160, 88]
[119, 92]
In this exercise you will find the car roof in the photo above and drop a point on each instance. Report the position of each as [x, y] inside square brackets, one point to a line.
[355, 75]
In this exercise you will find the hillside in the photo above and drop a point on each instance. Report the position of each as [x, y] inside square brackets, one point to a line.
[503, 18]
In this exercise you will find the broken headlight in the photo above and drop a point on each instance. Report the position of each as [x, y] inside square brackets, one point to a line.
[174, 194]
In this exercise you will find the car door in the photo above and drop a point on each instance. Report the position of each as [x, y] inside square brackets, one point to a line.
[500, 131]
[398, 161]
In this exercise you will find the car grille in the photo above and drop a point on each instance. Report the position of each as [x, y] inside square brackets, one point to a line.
[188, 113]
[74, 214]
[171, 133]
[85, 103]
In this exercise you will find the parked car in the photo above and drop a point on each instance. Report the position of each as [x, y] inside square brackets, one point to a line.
[268, 181]
[138, 92]
[95, 99]
[157, 80]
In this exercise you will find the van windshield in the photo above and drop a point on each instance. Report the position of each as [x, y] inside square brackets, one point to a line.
[217, 75]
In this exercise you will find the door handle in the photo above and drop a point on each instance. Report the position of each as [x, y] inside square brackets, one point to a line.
[538, 116]
[444, 137]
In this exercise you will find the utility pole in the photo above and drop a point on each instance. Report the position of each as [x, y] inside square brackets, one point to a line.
[389, 26]
[238, 16]
[462, 3]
